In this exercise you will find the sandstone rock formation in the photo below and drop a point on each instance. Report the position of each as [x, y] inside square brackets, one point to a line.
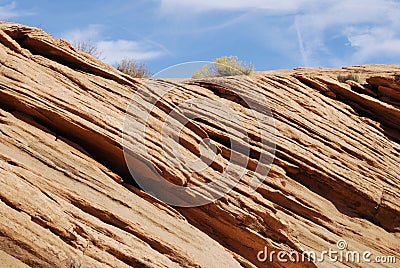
[68, 200]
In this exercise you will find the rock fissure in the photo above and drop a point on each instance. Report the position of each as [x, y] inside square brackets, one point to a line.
[335, 175]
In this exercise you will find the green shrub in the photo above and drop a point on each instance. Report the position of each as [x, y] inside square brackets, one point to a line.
[132, 68]
[88, 47]
[224, 66]
[356, 77]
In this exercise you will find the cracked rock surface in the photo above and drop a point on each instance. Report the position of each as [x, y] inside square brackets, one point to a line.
[67, 198]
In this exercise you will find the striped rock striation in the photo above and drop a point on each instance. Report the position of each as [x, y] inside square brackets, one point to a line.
[68, 198]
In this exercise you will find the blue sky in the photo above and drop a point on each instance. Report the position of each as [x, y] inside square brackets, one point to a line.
[269, 34]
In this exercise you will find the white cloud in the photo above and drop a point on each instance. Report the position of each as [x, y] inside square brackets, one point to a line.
[90, 33]
[113, 51]
[9, 11]
[348, 19]
[316, 24]
[374, 42]
[302, 50]
[207, 5]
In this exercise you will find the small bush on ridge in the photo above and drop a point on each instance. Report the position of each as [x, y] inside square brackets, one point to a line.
[132, 68]
[88, 47]
[356, 77]
[224, 66]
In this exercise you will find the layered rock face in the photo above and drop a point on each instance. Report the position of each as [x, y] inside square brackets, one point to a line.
[68, 198]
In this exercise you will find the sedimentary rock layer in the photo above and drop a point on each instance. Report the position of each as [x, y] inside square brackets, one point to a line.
[68, 199]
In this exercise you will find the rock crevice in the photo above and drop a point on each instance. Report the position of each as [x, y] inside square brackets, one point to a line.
[67, 195]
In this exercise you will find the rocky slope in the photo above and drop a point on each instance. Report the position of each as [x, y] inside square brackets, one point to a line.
[68, 199]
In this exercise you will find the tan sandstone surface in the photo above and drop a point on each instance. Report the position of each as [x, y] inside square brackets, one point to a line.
[68, 200]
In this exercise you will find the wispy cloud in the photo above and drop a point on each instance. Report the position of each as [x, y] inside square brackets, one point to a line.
[371, 29]
[9, 11]
[327, 32]
[374, 42]
[90, 33]
[302, 50]
[113, 51]
[207, 5]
